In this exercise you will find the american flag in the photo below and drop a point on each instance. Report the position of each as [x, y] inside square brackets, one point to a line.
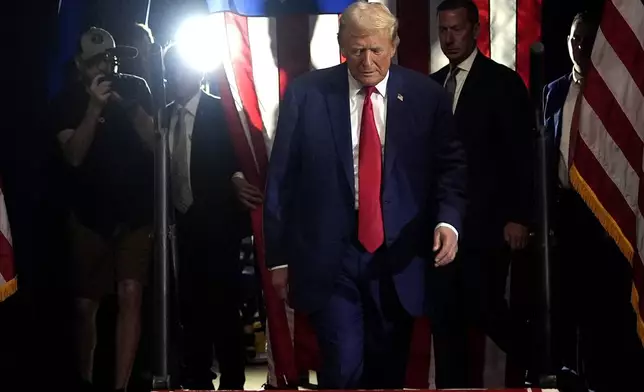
[300, 35]
[266, 43]
[8, 279]
[608, 158]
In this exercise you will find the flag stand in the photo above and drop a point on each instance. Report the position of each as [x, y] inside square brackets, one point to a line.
[547, 377]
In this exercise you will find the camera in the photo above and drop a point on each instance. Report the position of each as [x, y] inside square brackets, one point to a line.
[118, 80]
[125, 86]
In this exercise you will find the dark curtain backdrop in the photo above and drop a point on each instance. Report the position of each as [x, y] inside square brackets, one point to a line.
[38, 38]
[34, 351]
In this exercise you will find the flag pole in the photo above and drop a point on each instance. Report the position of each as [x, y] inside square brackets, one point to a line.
[547, 376]
[147, 13]
[162, 232]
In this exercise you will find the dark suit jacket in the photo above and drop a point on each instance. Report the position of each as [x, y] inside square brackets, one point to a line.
[554, 98]
[215, 208]
[310, 216]
[496, 120]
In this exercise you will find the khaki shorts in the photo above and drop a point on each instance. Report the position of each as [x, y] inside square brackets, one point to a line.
[100, 262]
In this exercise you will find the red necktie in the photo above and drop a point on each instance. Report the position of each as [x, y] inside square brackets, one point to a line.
[370, 227]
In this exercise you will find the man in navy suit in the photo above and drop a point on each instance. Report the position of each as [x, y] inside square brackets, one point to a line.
[364, 200]
[594, 325]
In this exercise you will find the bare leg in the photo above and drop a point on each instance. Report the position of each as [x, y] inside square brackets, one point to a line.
[85, 336]
[128, 329]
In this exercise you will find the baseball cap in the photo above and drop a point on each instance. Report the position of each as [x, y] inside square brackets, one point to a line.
[97, 41]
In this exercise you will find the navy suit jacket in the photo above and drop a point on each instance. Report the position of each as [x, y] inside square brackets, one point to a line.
[310, 218]
[554, 98]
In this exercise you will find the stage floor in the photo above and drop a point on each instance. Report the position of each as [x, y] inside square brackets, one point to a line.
[256, 378]
[446, 390]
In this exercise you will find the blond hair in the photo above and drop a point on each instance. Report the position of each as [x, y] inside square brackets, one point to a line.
[369, 17]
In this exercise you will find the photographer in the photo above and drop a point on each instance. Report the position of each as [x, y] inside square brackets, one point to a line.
[104, 127]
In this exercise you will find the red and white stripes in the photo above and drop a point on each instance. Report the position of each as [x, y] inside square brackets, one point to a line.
[261, 54]
[508, 28]
[8, 279]
[608, 163]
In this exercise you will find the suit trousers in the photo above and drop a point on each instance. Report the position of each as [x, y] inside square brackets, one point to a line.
[477, 303]
[595, 327]
[210, 302]
[363, 331]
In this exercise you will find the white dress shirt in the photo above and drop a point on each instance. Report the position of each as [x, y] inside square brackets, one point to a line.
[566, 125]
[189, 114]
[379, 102]
[464, 69]
[356, 102]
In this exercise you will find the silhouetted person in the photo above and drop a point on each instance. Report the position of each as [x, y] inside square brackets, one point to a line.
[211, 202]
[595, 327]
[105, 130]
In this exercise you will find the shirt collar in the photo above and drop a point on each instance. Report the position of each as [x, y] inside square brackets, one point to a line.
[576, 76]
[355, 86]
[192, 104]
[466, 64]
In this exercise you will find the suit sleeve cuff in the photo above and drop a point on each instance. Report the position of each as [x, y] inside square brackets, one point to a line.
[278, 267]
[443, 224]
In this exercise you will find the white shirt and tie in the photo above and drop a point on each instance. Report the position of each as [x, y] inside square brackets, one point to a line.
[356, 102]
[379, 102]
[462, 70]
[182, 125]
[566, 125]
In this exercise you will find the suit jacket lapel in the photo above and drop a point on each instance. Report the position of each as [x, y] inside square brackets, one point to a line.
[201, 132]
[558, 116]
[201, 113]
[468, 89]
[440, 75]
[337, 100]
[395, 115]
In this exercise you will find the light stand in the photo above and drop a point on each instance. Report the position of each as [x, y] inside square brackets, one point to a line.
[162, 232]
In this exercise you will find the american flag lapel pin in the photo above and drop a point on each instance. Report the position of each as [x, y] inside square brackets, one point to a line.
[400, 97]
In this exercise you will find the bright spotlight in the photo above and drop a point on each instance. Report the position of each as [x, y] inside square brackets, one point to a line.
[196, 40]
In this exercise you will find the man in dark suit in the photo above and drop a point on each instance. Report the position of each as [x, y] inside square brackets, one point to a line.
[211, 222]
[493, 114]
[595, 327]
[355, 232]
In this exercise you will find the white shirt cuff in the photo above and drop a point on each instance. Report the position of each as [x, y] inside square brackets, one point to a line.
[278, 267]
[238, 175]
[443, 224]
